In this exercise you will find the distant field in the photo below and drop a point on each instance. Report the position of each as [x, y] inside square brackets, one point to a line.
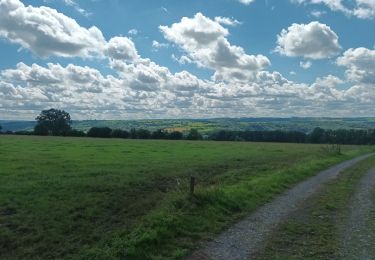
[209, 125]
[102, 199]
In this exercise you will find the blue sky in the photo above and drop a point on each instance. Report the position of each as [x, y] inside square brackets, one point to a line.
[188, 59]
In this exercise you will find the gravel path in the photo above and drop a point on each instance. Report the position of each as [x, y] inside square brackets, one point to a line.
[245, 238]
[359, 237]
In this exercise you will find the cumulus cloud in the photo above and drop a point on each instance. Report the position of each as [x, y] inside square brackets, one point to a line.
[314, 40]
[363, 9]
[181, 60]
[360, 64]
[141, 88]
[47, 32]
[121, 48]
[145, 89]
[204, 42]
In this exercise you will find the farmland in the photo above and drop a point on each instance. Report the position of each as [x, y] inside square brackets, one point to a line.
[100, 198]
[302, 124]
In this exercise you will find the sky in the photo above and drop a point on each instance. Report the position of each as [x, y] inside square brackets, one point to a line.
[141, 59]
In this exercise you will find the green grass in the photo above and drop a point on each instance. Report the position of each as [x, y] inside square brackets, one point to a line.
[314, 232]
[109, 199]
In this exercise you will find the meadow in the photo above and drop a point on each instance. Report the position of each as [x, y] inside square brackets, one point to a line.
[86, 198]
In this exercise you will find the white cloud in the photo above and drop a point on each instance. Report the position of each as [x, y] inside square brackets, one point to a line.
[140, 88]
[317, 13]
[305, 64]
[182, 60]
[360, 64]
[313, 40]
[227, 21]
[133, 32]
[246, 2]
[204, 41]
[363, 9]
[121, 48]
[157, 45]
[335, 5]
[145, 88]
[46, 32]
[77, 7]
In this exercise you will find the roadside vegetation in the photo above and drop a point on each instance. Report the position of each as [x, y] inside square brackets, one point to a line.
[111, 198]
[315, 230]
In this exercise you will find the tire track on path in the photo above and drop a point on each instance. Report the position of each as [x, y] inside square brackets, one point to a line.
[358, 232]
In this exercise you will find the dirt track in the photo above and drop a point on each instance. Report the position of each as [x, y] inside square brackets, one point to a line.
[245, 238]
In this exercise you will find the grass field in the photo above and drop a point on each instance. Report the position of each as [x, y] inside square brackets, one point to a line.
[109, 199]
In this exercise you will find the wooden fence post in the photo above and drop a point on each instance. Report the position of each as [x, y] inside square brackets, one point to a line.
[192, 184]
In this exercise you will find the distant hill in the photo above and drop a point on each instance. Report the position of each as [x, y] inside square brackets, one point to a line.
[208, 125]
[16, 125]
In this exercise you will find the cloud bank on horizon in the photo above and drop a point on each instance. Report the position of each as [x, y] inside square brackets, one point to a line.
[245, 61]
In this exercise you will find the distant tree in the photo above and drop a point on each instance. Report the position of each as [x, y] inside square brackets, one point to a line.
[317, 136]
[159, 134]
[40, 129]
[53, 122]
[143, 134]
[118, 133]
[22, 132]
[194, 135]
[102, 132]
[175, 135]
[76, 133]
[1, 128]
[133, 133]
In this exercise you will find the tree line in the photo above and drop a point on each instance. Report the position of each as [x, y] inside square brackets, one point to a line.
[55, 122]
[317, 136]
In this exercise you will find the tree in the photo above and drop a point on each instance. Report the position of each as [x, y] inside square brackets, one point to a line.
[118, 133]
[194, 135]
[40, 129]
[143, 134]
[317, 136]
[1, 128]
[53, 122]
[102, 132]
[175, 135]
[159, 134]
